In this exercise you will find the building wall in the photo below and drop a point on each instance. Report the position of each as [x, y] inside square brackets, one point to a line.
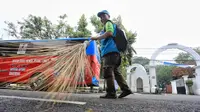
[194, 87]
[139, 72]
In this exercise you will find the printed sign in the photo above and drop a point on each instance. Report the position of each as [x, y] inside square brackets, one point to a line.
[22, 48]
[14, 73]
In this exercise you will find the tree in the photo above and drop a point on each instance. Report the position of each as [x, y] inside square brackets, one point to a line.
[63, 29]
[34, 27]
[82, 31]
[164, 75]
[189, 83]
[96, 23]
[186, 58]
[12, 29]
[141, 60]
[131, 37]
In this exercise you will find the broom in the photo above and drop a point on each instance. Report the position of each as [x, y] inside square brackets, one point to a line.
[70, 65]
[69, 62]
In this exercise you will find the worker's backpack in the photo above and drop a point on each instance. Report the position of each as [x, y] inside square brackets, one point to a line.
[119, 38]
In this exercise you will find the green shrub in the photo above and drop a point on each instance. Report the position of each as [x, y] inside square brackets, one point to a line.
[189, 83]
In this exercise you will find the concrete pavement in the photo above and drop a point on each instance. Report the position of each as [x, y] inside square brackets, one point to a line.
[132, 103]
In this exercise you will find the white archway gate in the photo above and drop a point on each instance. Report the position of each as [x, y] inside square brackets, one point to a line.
[152, 69]
[134, 72]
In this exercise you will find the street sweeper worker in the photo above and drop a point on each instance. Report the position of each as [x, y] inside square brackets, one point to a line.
[111, 59]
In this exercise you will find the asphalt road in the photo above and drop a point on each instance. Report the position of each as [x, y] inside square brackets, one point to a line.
[30, 101]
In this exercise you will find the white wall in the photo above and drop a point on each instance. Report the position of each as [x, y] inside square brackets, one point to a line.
[132, 78]
[194, 87]
[174, 90]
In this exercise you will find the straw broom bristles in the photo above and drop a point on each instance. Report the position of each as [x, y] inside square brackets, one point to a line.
[70, 66]
[70, 62]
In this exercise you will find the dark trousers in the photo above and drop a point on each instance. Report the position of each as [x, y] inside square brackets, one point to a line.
[111, 71]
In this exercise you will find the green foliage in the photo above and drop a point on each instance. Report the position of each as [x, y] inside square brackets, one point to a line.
[123, 66]
[12, 29]
[164, 75]
[82, 31]
[141, 60]
[34, 27]
[189, 83]
[184, 58]
[96, 23]
[118, 21]
[62, 29]
[131, 37]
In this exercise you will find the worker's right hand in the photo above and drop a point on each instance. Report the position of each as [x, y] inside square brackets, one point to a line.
[94, 38]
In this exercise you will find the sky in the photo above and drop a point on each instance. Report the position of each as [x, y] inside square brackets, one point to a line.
[157, 22]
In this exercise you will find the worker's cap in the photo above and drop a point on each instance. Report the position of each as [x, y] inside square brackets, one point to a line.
[103, 12]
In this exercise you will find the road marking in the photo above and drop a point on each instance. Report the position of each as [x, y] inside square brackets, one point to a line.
[137, 94]
[40, 99]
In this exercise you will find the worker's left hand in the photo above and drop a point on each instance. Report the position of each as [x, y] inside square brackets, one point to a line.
[94, 38]
[86, 43]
